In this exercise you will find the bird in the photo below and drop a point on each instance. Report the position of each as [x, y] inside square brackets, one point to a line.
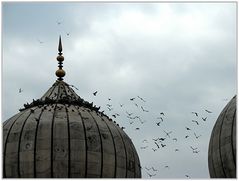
[121, 105]
[110, 109]
[141, 99]
[144, 109]
[136, 128]
[197, 136]
[74, 87]
[20, 90]
[162, 113]
[187, 128]
[166, 166]
[143, 147]
[114, 116]
[187, 176]
[196, 151]
[68, 33]
[95, 93]
[156, 144]
[58, 22]
[163, 145]
[109, 99]
[186, 136]
[132, 98]
[129, 114]
[40, 41]
[193, 148]
[204, 119]
[154, 149]
[151, 175]
[167, 134]
[158, 124]
[136, 105]
[195, 122]
[195, 113]
[208, 111]
[176, 149]
[154, 169]
[161, 139]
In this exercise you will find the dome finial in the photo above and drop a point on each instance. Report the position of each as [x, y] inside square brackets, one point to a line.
[60, 72]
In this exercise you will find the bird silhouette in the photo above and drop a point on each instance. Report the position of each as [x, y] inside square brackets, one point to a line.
[167, 133]
[204, 119]
[40, 41]
[187, 176]
[58, 22]
[162, 145]
[121, 105]
[166, 166]
[162, 113]
[141, 99]
[154, 169]
[129, 114]
[143, 147]
[132, 98]
[20, 90]
[158, 124]
[187, 128]
[144, 109]
[136, 105]
[197, 136]
[186, 136]
[176, 150]
[136, 128]
[208, 111]
[162, 139]
[156, 144]
[151, 175]
[193, 148]
[109, 99]
[95, 93]
[195, 113]
[195, 122]
[154, 149]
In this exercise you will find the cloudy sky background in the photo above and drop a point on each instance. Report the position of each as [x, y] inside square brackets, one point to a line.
[179, 57]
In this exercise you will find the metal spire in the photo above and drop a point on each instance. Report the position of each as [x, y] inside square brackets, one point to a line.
[60, 72]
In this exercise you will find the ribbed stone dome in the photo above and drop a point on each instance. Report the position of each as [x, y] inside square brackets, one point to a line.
[222, 146]
[61, 135]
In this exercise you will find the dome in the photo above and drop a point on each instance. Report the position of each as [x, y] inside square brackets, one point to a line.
[222, 146]
[61, 136]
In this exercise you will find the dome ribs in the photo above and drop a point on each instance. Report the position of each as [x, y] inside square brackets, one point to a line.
[6, 131]
[113, 142]
[26, 145]
[221, 157]
[120, 153]
[78, 145]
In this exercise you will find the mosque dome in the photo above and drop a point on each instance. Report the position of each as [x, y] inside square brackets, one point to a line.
[222, 146]
[60, 135]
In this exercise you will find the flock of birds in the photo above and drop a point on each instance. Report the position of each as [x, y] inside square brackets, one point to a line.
[167, 139]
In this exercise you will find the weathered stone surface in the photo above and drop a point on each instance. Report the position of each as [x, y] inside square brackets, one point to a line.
[222, 146]
[52, 138]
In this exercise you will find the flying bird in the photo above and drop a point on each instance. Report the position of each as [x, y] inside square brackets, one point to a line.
[40, 41]
[136, 105]
[141, 99]
[187, 128]
[195, 113]
[195, 122]
[95, 93]
[158, 124]
[193, 148]
[208, 111]
[162, 113]
[187, 176]
[204, 119]
[129, 114]
[167, 134]
[151, 175]
[154, 149]
[121, 105]
[58, 22]
[156, 144]
[186, 136]
[197, 136]
[109, 99]
[132, 98]
[136, 128]
[163, 145]
[176, 149]
[20, 90]
[144, 109]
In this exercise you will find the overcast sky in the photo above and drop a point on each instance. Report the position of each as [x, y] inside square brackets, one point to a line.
[179, 57]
